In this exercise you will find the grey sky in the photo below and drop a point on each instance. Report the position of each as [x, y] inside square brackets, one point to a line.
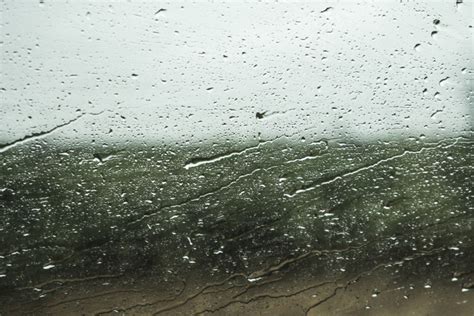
[198, 71]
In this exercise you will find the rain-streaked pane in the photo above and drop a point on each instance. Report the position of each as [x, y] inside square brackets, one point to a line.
[236, 158]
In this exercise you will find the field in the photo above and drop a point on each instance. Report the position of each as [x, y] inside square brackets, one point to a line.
[290, 226]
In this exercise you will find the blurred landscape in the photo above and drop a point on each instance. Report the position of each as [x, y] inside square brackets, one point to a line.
[236, 158]
[290, 223]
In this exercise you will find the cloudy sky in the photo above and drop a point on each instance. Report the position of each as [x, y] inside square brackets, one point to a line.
[181, 71]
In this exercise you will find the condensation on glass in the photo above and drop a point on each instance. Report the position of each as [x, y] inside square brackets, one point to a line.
[236, 158]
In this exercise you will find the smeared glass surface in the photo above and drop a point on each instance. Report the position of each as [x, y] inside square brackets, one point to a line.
[236, 158]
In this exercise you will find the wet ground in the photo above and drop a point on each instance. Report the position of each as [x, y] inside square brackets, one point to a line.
[283, 226]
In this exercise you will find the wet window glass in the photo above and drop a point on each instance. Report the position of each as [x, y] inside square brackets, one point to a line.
[236, 157]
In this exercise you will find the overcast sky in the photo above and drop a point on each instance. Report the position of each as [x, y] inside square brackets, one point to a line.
[196, 71]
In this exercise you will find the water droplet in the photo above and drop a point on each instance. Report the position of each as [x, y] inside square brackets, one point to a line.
[443, 81]
[326, 10]
[160, 11]
[49, 266]
[260, 115]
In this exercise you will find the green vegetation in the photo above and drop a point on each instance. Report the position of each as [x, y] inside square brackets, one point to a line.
[138, 209]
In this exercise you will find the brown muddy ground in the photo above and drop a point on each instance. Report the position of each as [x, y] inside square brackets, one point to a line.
[428, 283]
